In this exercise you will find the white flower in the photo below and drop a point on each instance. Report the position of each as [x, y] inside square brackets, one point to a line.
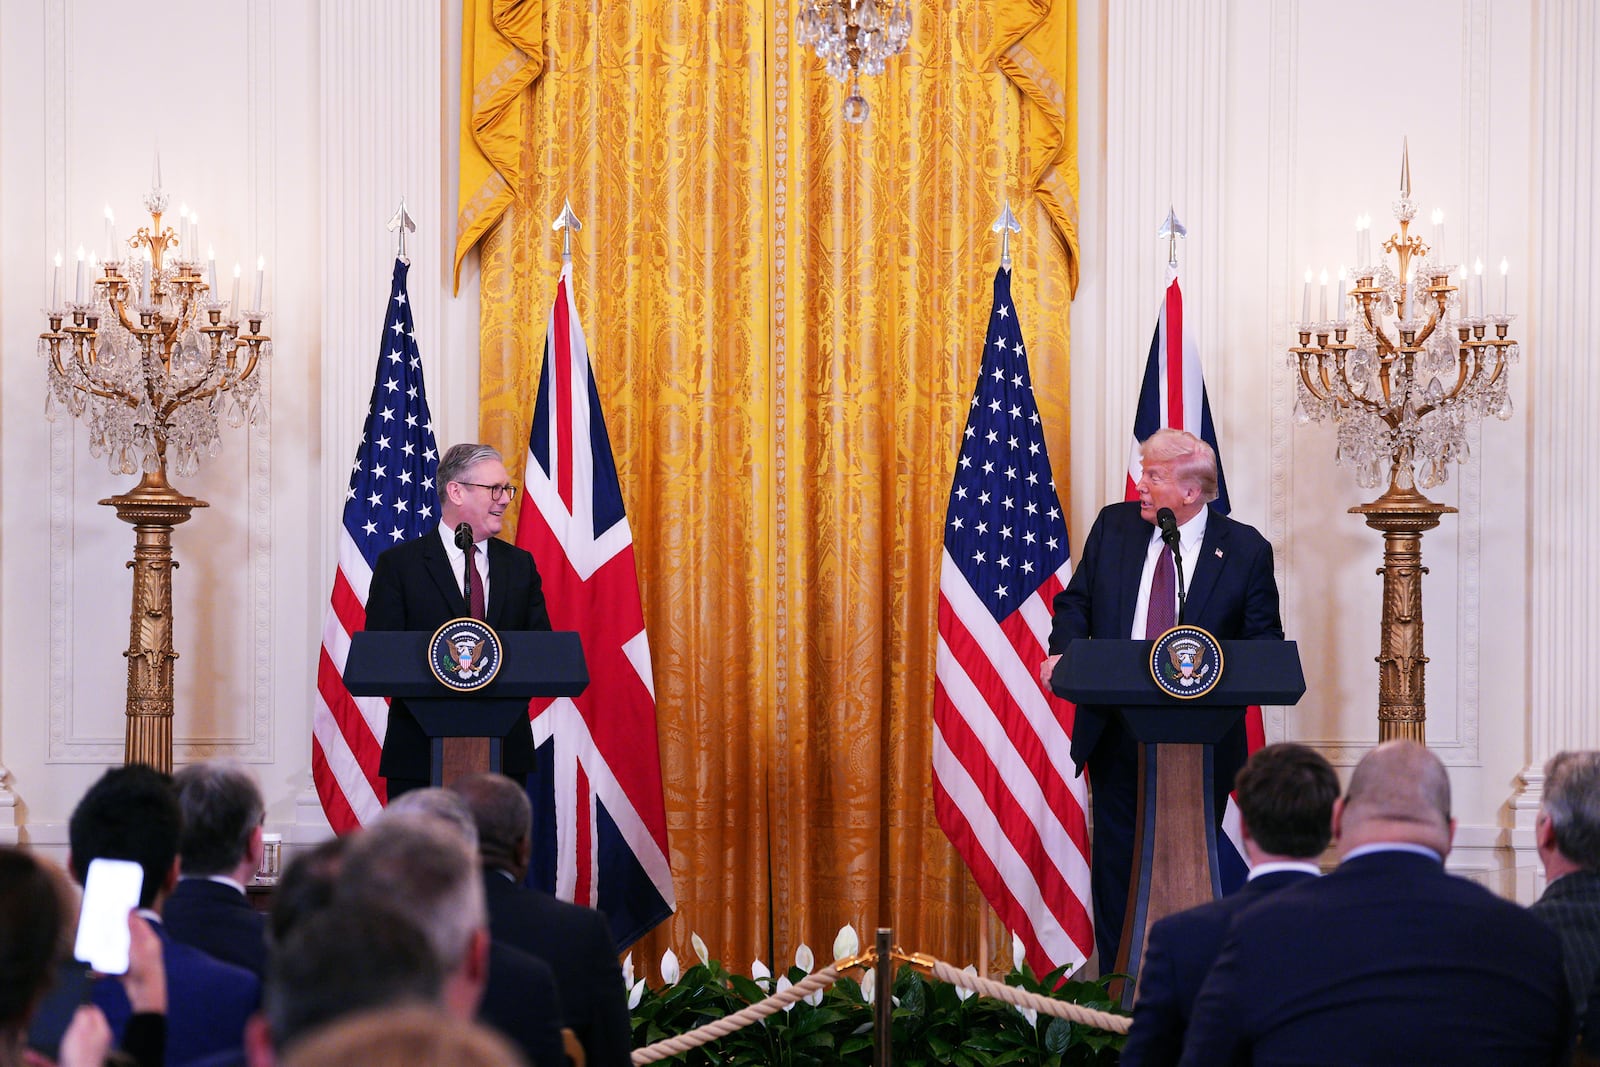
[803, 958]
[759, 972]
[814, 997]
[635, 994]
[783, 983]
[1019, 952]
[1030, 1014]
[700, 949]
[627, 971]
[869, 989]
[846, 943]
[962, 992]
[670, 971]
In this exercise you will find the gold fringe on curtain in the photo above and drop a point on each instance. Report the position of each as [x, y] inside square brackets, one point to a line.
[785, 314]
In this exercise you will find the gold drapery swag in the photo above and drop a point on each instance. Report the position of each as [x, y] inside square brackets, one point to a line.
[785, 315]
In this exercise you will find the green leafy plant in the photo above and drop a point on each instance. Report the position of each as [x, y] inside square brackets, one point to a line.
[933, 1023]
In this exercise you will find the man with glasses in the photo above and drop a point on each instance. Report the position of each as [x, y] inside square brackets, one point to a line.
[422, 584]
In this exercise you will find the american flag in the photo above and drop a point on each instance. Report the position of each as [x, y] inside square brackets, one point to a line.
[600, 826]
[391, 498]
[1002, 764]
[1174, 394]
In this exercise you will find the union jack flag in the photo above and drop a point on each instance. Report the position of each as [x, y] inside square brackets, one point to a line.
[1174, 394]
[600, 827]
[391, 498]
[1003, 789]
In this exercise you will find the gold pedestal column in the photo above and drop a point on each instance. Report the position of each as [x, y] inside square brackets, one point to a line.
[153, 507]
[1403, 515]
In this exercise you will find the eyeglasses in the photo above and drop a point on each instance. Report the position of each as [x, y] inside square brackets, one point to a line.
[508, 490]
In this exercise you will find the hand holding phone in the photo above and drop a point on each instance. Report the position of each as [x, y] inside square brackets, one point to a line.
[110, 891]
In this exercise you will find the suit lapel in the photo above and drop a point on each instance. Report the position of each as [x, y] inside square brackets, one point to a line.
[1204, 571]
[1130, 570]
[437, 565]
[498, 579]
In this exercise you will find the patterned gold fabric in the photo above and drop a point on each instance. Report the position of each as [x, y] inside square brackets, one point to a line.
[785, 314]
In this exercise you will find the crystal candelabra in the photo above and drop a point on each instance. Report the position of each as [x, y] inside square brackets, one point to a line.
[1403, 379]
[854, 37]
[154, 362]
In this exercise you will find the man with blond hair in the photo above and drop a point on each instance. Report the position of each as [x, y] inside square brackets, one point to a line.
[1389, 959]
[1125, 586]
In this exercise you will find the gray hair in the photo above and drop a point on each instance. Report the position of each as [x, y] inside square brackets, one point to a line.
[442, 805]
[1193, 461]
[1572, 801]
[459, 459]
[222, 807]
[417, 864]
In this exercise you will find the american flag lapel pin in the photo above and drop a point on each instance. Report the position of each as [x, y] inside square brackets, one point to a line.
[1219, 553]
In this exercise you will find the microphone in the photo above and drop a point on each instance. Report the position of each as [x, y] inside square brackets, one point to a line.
[464, 535]
[1164, 519]
[464, 542]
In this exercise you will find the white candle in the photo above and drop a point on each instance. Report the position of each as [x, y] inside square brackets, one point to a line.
[261, 281]
[211, 272]
[1505, 285]
[1477, 297]
[155, 173]
[55, 283]
[1305, 299]
[1322, 299]
[234, 303]
[78, 291]
[1466, 302]
[1339, 300]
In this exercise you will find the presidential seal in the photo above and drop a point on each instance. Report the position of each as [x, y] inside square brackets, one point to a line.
[464, 654]
[1186, 662]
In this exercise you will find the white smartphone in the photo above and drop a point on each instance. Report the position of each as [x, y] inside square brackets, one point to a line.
[109, 892]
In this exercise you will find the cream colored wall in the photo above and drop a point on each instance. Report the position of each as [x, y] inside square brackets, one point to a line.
[1268, 125]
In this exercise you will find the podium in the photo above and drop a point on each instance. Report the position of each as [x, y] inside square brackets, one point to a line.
[394, 663]
[1175, 836]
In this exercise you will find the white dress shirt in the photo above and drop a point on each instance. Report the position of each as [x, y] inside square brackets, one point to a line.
[1190, 534]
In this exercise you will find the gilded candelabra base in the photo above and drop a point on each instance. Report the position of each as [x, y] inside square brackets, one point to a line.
[153, 507]
[1403, 515]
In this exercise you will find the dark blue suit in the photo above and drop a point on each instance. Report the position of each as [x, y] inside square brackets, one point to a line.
[576, 943]
[521, 1001]
[218, 920]
[208, 1002]
[1388, 960]
[1231, 593]
[1177, 956]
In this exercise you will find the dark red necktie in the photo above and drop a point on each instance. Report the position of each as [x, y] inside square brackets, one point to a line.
[1162, 613]
[475, 583]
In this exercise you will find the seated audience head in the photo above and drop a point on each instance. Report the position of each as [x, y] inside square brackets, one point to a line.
[339, 961]
[504, 818]
[131, 813]
[222, 818]
[306, 886]
[1399, 794]
[441, 804]
[32, 917]
[418, 864]
[1286, 794]
[405, 1037]
[1178, 471]
[1567, 829]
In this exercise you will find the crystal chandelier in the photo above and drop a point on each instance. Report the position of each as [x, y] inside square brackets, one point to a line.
[150, 358]
[1418, 363]
[854, 37]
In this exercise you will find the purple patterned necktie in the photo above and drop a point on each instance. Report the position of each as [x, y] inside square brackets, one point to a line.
[475, 583]
[1162, 614]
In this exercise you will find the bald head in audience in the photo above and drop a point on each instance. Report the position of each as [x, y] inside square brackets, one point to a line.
[1399, 793]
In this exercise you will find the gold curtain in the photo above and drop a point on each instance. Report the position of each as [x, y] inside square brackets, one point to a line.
[785, 315]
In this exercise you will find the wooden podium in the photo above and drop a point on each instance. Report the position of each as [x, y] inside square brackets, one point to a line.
[1175, 836]
[534, 663]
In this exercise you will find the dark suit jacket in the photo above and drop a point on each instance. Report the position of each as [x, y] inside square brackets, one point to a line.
[1178, 953]
[1388, 960]
[414, 588]
[576, 943]
[219, 921]
[1571, 907]
[1231, 592]
[208, 1002]
[521, 1002]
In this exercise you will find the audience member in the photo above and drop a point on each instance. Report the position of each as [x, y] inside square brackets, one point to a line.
[1567, 833]
[427, 866]
[1389, 959]
[218, 852]
[132, 813]
[306, 886]
[575, 941]
[1285, 794]
[405, 1037]
[341, 960]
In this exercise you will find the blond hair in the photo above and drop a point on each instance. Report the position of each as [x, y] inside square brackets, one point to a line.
[1193, 461]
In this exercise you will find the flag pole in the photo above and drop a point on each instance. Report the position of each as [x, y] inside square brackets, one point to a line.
[568, 224]
[400, 224]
